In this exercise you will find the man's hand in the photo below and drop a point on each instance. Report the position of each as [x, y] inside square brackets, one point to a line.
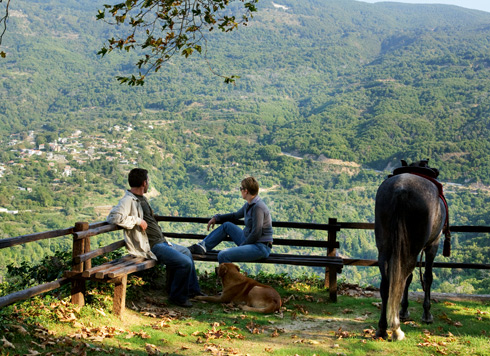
[211, 223]
[143, 225]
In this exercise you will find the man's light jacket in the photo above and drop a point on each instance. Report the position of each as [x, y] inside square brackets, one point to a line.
[128, 214]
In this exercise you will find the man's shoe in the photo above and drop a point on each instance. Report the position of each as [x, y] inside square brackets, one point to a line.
[197, 249]
[198, 294]
[185, 304]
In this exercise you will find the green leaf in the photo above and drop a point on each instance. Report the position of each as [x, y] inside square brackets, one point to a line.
[100, 15]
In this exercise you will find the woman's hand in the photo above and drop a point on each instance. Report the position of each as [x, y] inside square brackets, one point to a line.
[211, 222]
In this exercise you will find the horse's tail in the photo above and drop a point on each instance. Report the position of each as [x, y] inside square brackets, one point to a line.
[395, 270]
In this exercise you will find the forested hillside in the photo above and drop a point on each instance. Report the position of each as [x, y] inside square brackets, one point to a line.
[332, 94]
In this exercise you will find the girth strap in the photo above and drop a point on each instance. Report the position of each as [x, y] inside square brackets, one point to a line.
[446, 251]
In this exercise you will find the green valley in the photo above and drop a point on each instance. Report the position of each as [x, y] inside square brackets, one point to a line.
[332, 95]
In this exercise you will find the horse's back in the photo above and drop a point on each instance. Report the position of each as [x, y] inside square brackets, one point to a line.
[408, 203]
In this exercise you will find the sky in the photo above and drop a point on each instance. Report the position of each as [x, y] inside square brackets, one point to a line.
[483, 5]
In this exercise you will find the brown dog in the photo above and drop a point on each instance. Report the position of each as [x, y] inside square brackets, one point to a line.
[248, 293]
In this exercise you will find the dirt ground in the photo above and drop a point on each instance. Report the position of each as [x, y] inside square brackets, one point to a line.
[356, 291]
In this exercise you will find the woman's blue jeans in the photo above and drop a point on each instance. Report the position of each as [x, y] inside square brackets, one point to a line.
[241, 253]
[179, 262]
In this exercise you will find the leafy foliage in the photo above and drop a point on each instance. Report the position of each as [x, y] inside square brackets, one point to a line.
[3, 24]
[159, 29]
[27, 274]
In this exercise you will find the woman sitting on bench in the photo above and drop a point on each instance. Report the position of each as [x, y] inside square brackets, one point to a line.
[254, 242]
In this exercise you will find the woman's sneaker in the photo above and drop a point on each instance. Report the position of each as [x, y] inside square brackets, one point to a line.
[197, 249]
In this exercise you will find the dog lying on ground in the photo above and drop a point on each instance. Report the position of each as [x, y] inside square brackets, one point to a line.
[248, 293]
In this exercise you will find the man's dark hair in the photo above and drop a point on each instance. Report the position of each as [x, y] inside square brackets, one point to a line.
[137, 176]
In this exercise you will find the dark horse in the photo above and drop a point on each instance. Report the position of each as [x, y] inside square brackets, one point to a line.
[409, 217]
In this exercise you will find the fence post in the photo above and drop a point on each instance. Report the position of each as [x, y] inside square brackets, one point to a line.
[331, 273]
[86, 248]
[78, 285]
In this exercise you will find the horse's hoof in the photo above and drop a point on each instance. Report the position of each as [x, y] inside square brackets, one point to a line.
[398, 335]
[381, 334]
[404, 316]
[428, 319]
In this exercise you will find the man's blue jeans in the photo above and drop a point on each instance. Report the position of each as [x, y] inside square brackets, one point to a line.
[241, 253]
[179, 262]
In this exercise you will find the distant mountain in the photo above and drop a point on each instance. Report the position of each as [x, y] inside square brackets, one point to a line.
[370, 83]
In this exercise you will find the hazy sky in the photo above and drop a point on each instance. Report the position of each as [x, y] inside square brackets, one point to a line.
[483, 5]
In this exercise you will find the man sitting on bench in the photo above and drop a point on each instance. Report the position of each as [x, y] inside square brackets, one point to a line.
[144, 238]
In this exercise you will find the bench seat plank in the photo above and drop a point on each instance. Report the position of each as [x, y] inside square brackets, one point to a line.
[146, 264]
[282, 258]
[92, 271]
[120, 264]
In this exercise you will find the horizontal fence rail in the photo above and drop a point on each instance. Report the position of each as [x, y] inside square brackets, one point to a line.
[102, 227]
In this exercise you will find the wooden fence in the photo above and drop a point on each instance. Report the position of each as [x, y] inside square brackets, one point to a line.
[333, 227]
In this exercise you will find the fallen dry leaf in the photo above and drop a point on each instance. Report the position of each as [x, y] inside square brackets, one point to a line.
[38, 345]
[218, 350]
[301, 309]
[101, 312]
[80, 349]
[7, 343]
[341, 334]
[66, 317]
[369, 333]
[285, 300]
[20, 329]
[143, 335]
[152, 349]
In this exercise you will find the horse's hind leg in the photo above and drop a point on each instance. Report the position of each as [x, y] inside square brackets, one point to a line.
[384, 290]
[429, 261]
[404, 313]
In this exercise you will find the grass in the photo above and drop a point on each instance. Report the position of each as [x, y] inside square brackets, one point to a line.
[308, 324]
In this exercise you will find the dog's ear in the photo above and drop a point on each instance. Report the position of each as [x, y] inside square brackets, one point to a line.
[237, 268]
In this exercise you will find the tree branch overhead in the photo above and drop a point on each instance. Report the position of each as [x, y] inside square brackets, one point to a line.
[159, 29]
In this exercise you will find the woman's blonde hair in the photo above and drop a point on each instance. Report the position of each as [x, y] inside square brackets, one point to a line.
[251, 184]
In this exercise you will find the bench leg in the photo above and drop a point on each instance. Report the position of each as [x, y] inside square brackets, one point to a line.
[332, 284]
[119, 300]
[77, 292]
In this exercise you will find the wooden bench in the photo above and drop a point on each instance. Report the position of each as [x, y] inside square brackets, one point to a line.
[116, 271]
